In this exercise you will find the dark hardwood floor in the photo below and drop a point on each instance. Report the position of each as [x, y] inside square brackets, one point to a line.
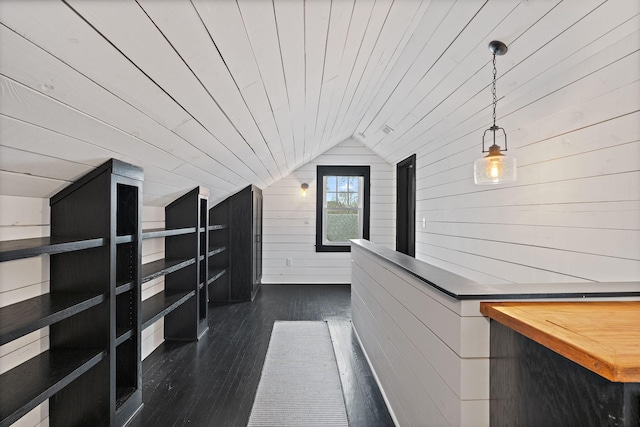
[213, 382]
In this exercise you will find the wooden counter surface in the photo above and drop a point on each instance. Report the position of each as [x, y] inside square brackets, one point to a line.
[603, 337]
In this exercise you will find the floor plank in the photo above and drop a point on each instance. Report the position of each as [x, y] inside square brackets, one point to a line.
[213, 382]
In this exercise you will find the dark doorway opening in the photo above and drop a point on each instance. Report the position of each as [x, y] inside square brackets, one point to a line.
[406, 206]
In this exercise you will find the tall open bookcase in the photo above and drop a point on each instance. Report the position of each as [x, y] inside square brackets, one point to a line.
[184, 301]
[91, 372]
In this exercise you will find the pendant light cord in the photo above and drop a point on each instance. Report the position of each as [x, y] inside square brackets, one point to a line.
[493, 90]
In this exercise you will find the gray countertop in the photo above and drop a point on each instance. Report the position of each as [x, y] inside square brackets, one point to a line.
[462, 288]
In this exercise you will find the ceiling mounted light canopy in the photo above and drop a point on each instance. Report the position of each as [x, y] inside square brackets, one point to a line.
[495, 167]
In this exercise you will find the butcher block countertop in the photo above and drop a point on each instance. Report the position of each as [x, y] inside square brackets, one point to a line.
[603, 337]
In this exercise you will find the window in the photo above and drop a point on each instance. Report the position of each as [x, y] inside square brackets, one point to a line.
[342, 207]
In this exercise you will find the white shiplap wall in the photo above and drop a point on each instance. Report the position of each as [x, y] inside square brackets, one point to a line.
[289, 225]
[152, 250]
[23, 218]
[573, 123]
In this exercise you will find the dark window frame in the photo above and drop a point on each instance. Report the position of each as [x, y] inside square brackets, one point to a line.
[322, 171]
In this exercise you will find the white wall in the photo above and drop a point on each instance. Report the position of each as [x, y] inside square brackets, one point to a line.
[23, 218]
[290, 220]
[574, 212]
[152, 250]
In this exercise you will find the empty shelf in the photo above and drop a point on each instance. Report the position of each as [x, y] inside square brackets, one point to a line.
[32, 314]
[26, 248]
[217, 250]
[154, 269]
[215, 274]
[162, 304]
[153, 233]
[31, 383]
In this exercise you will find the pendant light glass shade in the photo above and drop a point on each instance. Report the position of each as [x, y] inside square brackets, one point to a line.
[495, 167]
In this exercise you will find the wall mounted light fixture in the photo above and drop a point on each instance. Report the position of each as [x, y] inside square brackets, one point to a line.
[304, 187]
[495, 167]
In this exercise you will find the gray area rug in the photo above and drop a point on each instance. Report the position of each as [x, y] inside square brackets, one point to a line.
[300, 384]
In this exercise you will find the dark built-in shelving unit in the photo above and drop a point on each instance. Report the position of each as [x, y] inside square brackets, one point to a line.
[236, 225]
[183, 303]
[91, 373]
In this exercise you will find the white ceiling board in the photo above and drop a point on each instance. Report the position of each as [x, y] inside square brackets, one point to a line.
[358, 23]
[290, 25]
[375, 24]
[60, 31]
[59, 81]
[181, 25]
[316, 17]
[26, 136]
[341, 14]
[260, 24]
[20, 161]
[231, 92]
[225, 25]
[127, 27]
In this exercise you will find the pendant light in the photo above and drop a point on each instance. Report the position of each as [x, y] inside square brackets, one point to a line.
[495, 167]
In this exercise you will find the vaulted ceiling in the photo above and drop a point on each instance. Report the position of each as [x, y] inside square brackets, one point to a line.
[222, 93]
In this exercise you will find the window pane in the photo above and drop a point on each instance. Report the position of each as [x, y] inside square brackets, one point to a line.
[342, 226]
[354, 183]
[343, 182]
[353, 200]
[331, 183]
[342, 199]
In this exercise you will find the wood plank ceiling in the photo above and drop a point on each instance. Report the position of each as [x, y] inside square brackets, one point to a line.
[225, 93]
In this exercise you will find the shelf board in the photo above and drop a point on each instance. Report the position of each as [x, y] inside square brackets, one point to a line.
[162, 304]
[202, 229]
[153, 233]
[215, 274]
[26, 316]
[34, 381]
[123, 287]
[124, 239]
[26, 248]
[158, 268]
[217, 227]
[123, 334]
[217, 250]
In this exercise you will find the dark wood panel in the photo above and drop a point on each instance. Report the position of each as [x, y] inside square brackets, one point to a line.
[534, 386]
[39, 378]
[26, 248]
[232, 352]
[32, 314]
[161, 304]
[161, 267]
